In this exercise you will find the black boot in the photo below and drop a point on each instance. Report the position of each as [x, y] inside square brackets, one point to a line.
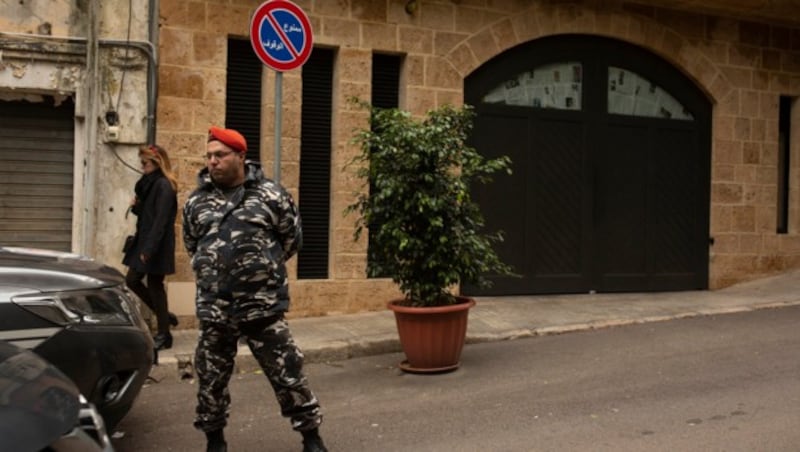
[216, 441]
[312, 442]
[162, 341]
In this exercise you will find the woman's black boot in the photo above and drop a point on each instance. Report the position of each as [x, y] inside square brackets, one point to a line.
[162, 341]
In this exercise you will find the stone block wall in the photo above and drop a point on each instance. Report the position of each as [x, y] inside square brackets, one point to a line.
[742, 66]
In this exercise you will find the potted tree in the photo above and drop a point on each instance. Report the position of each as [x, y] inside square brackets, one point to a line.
[425, 231]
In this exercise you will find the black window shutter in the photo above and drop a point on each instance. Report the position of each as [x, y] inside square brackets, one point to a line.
[385, 94]
[385, 80]
[243, 94]
[315, 164]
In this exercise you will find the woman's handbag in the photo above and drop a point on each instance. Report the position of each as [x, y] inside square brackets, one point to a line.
[130, 241]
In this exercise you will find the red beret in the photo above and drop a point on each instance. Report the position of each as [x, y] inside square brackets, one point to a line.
[229, 137]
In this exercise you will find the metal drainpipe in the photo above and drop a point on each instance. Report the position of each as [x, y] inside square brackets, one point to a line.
[90, 119]
[152, 79]
[147, 47]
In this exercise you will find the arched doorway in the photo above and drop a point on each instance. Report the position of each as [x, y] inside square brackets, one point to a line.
[611, 153]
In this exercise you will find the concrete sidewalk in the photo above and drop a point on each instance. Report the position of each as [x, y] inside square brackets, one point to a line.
[504, 318]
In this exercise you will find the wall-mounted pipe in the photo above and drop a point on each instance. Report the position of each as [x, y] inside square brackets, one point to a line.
[147, 47]
[152, 77]
[152, 91]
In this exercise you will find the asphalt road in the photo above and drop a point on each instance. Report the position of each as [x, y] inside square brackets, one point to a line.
[721, 383]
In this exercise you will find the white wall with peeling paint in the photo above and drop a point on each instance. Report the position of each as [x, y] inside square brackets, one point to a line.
[46, 49]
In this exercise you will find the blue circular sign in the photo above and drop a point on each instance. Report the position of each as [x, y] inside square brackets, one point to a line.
[281, 35]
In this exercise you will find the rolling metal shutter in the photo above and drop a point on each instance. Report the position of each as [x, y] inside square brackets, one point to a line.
[36, 178]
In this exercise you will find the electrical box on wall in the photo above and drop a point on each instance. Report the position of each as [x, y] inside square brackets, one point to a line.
[112, 134]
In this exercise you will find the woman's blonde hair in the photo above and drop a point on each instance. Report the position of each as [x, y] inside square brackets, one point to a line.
[158, 155]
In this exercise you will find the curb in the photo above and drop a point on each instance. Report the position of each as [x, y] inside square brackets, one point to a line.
[179, 365]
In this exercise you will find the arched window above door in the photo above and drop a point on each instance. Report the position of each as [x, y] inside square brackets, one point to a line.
[631, 94]
[557, 85]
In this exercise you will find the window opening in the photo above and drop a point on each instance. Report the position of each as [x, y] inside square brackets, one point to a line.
[784, 147]
[315, 164]
[557, 85]
[631, 94]
[243, 94]
[385, 94]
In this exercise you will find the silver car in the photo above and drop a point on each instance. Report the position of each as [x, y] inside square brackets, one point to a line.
[78, 315]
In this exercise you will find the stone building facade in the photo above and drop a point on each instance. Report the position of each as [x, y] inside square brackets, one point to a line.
[742, 65]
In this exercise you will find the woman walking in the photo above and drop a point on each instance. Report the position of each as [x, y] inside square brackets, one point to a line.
[153, 252]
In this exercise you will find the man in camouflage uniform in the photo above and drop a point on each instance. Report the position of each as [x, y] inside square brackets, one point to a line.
[239, 229]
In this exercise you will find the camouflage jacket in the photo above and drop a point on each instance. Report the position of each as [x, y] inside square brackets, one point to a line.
[239, 246]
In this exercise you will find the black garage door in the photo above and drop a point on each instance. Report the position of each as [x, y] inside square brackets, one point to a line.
[611, 158]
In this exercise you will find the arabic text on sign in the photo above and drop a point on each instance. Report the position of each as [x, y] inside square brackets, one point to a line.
[273, 45]
[291, 28]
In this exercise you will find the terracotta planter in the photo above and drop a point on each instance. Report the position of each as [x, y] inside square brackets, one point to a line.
[432, 338]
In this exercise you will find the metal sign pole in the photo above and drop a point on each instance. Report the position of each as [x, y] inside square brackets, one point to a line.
[276, 169]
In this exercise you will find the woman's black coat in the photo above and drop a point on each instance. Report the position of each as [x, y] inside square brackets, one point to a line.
[156, 208]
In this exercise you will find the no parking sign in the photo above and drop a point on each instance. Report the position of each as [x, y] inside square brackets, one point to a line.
[281, 35]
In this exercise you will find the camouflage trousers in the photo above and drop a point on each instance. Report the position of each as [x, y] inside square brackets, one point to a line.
[274, 348]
